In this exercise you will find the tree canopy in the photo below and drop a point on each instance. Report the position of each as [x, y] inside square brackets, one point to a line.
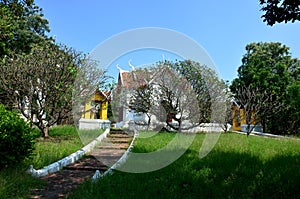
[277, 11]
[181, 94]
[22, 26]
[41, 84]
[269, 69]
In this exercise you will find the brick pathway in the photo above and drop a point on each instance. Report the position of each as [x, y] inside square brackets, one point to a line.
[60, 184]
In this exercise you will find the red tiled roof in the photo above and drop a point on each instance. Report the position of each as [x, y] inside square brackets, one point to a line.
[132, 79]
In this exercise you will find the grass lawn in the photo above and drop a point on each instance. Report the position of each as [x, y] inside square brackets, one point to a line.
[238, 167]
[15, 183]
[64, 141]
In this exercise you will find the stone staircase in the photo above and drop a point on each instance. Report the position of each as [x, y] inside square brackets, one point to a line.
[60, 184]
[112, 148]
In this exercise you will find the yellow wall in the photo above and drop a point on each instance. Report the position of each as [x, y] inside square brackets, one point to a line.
[243, 116]
[89, 114]
[239, 115]
[235, 118]
[103, 112]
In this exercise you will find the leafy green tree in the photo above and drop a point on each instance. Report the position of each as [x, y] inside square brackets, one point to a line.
[41, 84]
[293, 100]
[22, 26]
[293, 111]
[277, 11]
[267, 67]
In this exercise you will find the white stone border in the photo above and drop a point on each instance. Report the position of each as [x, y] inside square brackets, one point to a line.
[57, 166]
[121, 161]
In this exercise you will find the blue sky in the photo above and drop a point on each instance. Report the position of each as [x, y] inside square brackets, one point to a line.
[222, 28]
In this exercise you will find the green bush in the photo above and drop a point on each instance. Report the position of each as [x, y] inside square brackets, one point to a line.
[16, 138]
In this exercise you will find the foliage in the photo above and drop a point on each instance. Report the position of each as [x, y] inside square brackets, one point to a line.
[37, 74]
[16, 139]
[181, 94]
[22, 26]
[277, 11]
[293, 111]
[270, 69]
[195, 74]
[238, 167]
[40, 84]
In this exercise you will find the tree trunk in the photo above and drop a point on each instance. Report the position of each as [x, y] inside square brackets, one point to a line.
[263, 123]
[46, 132]
[149, 121]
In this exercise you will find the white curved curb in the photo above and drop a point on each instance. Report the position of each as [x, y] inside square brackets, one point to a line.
[254, 133]
[57, 166]
[121, 161]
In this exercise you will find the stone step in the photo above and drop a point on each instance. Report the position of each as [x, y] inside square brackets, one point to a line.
[87, 168]
[109, 152]
[118, 140]
[118, 146]
[118, 132]
[118, 136]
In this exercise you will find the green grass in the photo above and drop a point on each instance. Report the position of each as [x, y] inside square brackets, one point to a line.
[237, 167]
[64, 141]
[86, 136]
[15, 183]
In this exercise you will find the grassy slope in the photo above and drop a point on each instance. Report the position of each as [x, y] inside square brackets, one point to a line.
[64, 141]
[238, 167]
[15, 183]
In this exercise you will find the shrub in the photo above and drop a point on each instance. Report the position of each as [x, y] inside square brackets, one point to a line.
[16, 138]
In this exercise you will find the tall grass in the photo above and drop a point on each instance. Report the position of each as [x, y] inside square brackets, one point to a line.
[237, 167]
[15, 183]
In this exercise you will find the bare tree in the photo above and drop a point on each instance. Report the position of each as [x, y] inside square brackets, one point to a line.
[223, 114]
[141, 101]
[181, 95]
[258, 105]
[175, 95]
[222, 105]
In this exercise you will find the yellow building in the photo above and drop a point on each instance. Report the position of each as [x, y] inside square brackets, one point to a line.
[97, 106]
[239, 116]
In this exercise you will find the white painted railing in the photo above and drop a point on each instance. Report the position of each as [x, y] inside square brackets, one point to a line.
[57, 166]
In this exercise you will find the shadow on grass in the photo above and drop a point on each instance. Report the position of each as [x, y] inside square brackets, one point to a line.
[218, 175]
